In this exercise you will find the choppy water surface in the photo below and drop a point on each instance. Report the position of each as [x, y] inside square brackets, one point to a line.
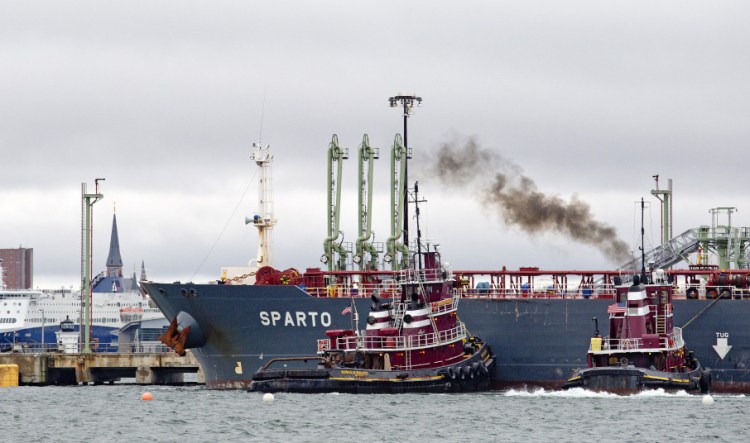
[195, 414]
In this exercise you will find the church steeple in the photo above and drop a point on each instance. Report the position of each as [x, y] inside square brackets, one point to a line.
[114, 260]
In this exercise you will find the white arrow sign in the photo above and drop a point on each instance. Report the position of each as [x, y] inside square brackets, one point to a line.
[721, 347]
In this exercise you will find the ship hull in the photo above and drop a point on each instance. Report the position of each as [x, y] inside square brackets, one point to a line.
[36, 339]
[536, 341]
[629, 380]
[470, 375]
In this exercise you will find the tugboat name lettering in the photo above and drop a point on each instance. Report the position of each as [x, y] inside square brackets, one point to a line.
[296, 319]
[354, 373]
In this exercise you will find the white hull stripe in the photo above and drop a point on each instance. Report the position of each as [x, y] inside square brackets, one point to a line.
[380, 314]
[417, 324]
[417, 312]
[378, 326]
[640, 311]
[637, 295]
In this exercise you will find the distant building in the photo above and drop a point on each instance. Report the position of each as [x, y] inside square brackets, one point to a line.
[18, 267]
[112, 279]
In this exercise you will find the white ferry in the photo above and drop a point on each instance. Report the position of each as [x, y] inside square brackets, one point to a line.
[30, 319]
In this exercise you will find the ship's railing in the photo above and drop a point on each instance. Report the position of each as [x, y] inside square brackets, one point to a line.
[571, 291]
[386, 290]
[621, 344]
[401, 343]
[422, 275]
[391, 288]
[673, 340]
[447, 305]
[436, 308]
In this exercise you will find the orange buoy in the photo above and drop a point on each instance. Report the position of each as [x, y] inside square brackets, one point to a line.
[147, 396]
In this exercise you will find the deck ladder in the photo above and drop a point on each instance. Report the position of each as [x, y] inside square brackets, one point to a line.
[398, 314]
[661, 324]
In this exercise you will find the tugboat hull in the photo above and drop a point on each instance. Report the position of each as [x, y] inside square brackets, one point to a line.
[629, 379]
[471, 375]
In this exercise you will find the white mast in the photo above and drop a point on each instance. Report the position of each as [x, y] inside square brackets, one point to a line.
[264, 221]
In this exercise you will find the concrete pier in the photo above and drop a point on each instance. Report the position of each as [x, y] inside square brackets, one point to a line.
[163, 368]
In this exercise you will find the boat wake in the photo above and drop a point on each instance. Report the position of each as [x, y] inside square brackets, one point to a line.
[583, 393]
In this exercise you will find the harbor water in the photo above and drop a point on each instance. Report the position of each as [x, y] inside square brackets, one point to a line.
[195, 414]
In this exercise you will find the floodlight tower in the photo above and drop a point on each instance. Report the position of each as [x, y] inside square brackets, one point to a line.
[407, 103]
[87, 207]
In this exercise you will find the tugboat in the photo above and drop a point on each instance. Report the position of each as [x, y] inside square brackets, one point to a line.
[414, 342]
[644, 349]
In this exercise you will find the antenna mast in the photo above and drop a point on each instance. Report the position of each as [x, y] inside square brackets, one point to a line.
[265, 220]
[407, 102]
[87, 204]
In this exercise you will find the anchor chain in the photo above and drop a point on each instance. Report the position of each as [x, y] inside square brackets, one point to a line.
[242, 277]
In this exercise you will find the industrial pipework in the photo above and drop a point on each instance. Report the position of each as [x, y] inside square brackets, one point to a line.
[364, 245]
[335, 155]
[398, 160]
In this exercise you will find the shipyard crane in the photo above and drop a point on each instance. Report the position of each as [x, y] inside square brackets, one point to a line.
[398, 160]
[364, 245]
[336, 155]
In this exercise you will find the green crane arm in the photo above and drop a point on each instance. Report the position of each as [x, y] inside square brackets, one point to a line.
[336, 155]
[366, 155]
[398, 159]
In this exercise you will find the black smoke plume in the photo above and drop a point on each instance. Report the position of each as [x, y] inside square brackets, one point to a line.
[501, 184]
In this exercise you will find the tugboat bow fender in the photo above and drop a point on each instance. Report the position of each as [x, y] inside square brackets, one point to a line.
[452, 373]
[705, 382]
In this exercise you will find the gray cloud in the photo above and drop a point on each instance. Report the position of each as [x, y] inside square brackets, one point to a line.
[164, 99]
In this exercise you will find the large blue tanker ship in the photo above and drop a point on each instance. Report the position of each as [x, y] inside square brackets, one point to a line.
[537, 322]
[539, 339]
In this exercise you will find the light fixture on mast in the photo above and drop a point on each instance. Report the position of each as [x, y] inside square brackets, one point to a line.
[407, 102]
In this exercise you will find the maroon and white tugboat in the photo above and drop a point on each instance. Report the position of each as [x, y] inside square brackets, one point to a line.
[644, 348]
[414, 342]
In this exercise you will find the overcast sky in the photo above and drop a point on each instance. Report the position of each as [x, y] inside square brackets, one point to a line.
[164, 100]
